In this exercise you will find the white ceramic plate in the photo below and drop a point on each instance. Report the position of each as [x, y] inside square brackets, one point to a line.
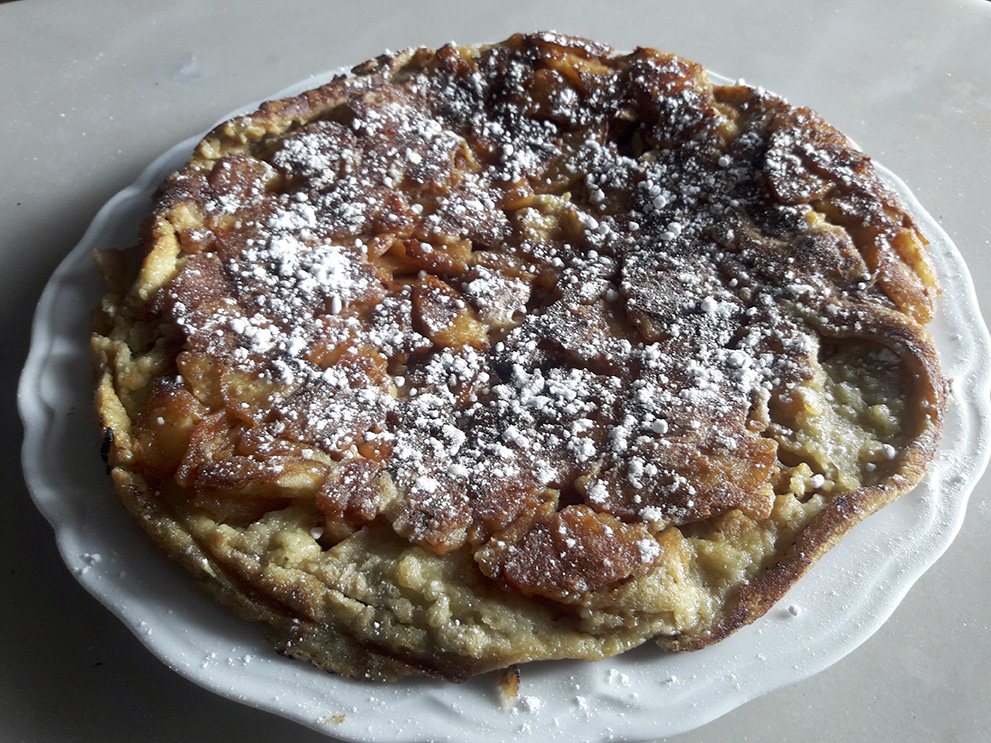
[641, 695]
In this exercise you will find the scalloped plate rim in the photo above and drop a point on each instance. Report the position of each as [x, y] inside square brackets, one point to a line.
[605, 687]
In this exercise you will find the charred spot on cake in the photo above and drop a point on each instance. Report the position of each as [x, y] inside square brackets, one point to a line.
[107, 445]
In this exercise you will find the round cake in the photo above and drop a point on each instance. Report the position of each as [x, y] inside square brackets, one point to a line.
[483, 355]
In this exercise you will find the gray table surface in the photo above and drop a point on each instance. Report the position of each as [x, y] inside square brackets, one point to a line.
[90, 92]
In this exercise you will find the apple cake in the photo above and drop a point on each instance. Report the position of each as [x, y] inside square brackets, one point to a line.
[482, 355]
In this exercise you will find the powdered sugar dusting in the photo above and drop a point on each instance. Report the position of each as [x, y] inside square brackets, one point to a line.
[506, 288]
